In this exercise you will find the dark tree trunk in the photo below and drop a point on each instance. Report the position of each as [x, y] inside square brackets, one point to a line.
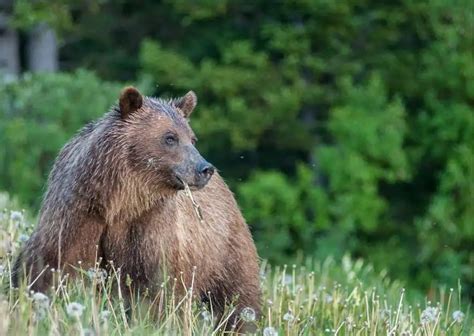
[9, 43]
[42, 49]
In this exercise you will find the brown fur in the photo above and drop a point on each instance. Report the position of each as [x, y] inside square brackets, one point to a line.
[111, 196]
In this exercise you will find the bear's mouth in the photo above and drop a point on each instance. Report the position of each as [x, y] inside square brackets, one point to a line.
[179, 184]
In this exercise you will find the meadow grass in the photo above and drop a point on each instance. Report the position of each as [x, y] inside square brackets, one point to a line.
[326, 298]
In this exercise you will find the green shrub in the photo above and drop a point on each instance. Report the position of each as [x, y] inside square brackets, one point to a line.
[38, 114]
[286, 215]
[344, 200]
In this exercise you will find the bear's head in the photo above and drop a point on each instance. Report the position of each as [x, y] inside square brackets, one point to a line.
[160, 143]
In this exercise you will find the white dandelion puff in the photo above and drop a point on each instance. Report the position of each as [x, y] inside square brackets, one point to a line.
[385, 314]
[39, 315]
[270, 331]
[97, 274]
[23, 238]
[16, 216]
[458, 316]
[40, 300]
[75, 309]
[206, 316]
[88, 332]
[429, 315]
[288, 317]
[104, 316]
[248, 314]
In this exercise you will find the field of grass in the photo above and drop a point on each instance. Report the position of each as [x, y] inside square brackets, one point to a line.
[328, 298]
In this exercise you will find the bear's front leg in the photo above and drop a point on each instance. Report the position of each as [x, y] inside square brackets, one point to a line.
[64, 245]
[240, 287]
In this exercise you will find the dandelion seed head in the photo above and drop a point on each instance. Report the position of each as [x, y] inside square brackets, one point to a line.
[97, 274]
[88, 332]
[23, 238]
[385, 314]
[40, 300]
[206, 316]
[328, 298]
[39, 315]
[104, 316]
[270, 331]
[288, 317]
[74, 309]
[248, 314]
[16, 216]
[458, 316]
[429, 315]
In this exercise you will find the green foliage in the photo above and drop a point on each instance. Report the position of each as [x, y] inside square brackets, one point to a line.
[38, 114]
[58, 14]
[343, 126]
[55, 13]
[367, 138]
[285, 214]
[242, 89]
[339, 199]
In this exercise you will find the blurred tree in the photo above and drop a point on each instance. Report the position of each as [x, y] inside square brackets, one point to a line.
[9, 42]
[349, 123]
[42, 49]
[38, 114]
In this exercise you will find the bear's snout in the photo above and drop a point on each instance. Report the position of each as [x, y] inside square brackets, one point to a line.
[204, 172]
[197, 177]
[194, 171]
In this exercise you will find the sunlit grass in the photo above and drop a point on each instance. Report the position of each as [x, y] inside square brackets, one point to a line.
[347, 298]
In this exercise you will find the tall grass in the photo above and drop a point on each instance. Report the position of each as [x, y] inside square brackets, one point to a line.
[329, 298]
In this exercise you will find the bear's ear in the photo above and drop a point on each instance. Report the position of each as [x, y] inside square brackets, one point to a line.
[186, 103]
[130, 101]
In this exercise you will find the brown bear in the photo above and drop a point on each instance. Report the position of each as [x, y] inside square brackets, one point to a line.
[117, 193]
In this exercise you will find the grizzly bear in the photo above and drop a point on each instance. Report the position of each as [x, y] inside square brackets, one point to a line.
[117, 192]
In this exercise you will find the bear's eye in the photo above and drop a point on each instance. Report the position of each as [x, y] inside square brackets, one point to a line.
[171, 139]
[194, 140]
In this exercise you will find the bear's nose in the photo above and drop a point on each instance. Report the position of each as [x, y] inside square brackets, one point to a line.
[206, 170]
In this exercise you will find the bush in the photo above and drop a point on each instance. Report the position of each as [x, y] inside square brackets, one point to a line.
[344, 200]
[286, 215]
[38, 114]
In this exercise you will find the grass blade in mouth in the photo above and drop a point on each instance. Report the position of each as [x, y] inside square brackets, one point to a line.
[196, 206]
